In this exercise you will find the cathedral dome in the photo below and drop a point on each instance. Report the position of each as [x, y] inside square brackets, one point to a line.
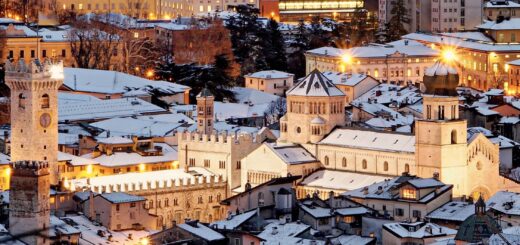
[315, 84]
[479, 226]
[441, 79]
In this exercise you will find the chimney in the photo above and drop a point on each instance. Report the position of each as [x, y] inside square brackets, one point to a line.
[91, 205]
[331, 199]
[436, 175]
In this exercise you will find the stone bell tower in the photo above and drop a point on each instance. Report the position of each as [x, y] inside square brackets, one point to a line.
[205, 101]
[34, 112]
[441, 136]
[29, 210]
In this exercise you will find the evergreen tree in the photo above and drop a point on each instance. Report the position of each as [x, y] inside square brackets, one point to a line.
[317, 36]
[275, 47]
[395, 27]
[215, 77]
[296, 60]
[246, 33]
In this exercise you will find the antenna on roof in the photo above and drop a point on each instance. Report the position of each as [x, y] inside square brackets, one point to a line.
[115, 79]
[75, 82]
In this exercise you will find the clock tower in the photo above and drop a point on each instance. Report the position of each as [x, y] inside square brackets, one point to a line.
[34, 112]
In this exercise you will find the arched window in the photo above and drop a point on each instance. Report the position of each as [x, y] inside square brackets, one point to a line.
[364, 164]
[454, 136]
[21, 101]
[385, 166]
[407, 168]
[260, 199]
[344, 162]
[326, 161]
[45, 101]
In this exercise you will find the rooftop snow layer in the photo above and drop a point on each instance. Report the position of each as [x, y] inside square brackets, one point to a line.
[372, 140]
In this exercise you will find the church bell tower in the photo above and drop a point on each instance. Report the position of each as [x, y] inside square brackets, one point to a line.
[34, 112]
[441, 136]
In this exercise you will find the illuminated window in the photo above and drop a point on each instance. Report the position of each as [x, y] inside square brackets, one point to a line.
[409, 193]
[136, 34]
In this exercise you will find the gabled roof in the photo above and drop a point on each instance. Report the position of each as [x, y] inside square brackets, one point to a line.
[315, 84]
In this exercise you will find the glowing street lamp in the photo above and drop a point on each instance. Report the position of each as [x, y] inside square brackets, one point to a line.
[346, 58]
[149, 73]
[145, 241]
[449, 55]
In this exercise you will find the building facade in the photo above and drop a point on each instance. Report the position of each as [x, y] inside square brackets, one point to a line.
[399, 63]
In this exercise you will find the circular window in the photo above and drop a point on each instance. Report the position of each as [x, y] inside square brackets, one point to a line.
[298, 130]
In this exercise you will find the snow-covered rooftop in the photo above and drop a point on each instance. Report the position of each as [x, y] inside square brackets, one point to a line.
[347, 79]
[453, 211]
[148, 126]
[120, 159]
[501, 4]
[352, 240]
[420, 230]
[378, 51]
[121, 197]
[510, 24]
[386, 93]
[202, 231]
[89, 232]
[270, 74]
[315, 84]
[372, 140]
[340, 180]
[234, 221]
[75, 160]
[113, 82]
[103, 109]
[157, 179]
[252, 96]
[275, 232]
[291, 153]
[505, 202]
[461, 43]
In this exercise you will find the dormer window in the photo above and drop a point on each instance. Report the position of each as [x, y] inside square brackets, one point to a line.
[409, 193]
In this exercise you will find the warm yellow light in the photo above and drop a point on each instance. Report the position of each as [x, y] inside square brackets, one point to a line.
[175, 164]
[149, 73]
[136, 68]
[449, 55]
[142, 167]
[8, 172]
[16, 17]
[89, 169]
[272, 14]
[506, 67]
[166, 17]
[145, 241]
[346, 58]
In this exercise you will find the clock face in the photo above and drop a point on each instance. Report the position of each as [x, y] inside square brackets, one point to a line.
[45, 120]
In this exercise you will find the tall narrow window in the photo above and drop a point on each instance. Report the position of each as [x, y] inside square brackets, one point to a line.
[428, 112]
[441, 112]
[45, 101]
